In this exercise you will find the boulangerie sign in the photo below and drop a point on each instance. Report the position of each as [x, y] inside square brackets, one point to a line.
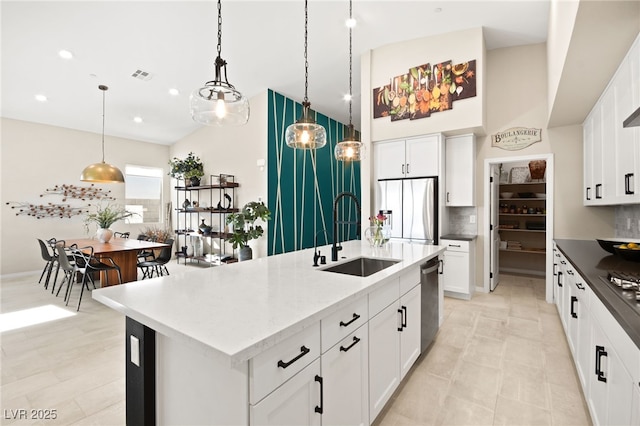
[516, 138]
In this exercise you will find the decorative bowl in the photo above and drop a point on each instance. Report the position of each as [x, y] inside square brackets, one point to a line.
[608, 245]
[506, 194]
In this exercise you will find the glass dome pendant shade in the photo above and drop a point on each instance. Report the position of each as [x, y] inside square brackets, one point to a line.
[219, 103]
[306, 133]
[350, 148]
[102, 172]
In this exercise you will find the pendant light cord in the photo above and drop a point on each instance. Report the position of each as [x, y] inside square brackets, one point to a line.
[219, 28]
[306, 62]
[104, 89]
[350, 62]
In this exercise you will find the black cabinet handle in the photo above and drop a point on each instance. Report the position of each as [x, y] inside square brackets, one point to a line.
[573, 300]
[580, 286]
[441, 270]
[598, 191]
[408, 168]
[404, 317]
[627, 183]
[454, 245]
[355, 342]
[555, 269]
[403, 169]
[303, 351]
[600, 352]
[401, 320]
[559, 278]
[563, 262]
[588, 193]
[320, 408]
[570, 271]
[346, 324]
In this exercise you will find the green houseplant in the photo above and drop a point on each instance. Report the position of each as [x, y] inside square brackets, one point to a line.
[189, 168]
[104, 217]
[245, 228]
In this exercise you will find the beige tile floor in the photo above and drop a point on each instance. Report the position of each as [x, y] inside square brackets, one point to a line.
[498, 359]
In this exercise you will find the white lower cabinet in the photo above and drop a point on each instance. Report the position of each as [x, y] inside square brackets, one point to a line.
[297, 402]
[345, 372]
[635, 405]
[410, 334]
[458, 271]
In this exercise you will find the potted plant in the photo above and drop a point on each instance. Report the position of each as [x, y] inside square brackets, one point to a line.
[190, 168]
[104, 217]
[245, 228]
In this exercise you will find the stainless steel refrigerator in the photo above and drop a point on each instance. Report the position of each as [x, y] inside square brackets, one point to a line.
[411, 208]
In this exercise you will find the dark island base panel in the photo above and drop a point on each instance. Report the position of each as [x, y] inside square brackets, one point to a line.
[141, 378]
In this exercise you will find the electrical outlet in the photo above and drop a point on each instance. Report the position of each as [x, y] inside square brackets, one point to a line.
[472, 218]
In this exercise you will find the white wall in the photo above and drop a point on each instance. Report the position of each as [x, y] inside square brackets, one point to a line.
[36, 157]
[235, 151]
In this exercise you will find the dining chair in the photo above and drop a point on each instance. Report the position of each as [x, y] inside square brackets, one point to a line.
[121, 234]
[50, 258]
[145, 254]
[68, 266]
[158, 264]
[87, 264]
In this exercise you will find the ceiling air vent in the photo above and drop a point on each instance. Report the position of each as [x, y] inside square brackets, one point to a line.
[142, 75]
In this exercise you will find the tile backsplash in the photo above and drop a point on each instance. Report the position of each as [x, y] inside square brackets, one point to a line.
[459, 220]
[622, 214]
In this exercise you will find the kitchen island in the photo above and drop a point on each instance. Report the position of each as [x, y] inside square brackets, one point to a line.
[252, 342]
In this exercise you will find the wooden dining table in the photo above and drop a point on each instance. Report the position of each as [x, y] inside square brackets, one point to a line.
[124, 253]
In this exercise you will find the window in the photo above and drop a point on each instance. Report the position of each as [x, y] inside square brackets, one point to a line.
[143, 193]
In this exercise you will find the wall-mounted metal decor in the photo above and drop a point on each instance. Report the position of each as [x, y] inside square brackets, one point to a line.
[79, 192]
[424, 90]
[40, 211]
[516, 138]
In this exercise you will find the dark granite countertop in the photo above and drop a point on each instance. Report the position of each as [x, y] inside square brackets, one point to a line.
[459, 237]
[592, 263]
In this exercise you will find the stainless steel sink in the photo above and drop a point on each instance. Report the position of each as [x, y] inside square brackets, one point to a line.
[361, 266]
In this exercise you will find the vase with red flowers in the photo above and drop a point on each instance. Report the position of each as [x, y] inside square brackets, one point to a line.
[378, 233]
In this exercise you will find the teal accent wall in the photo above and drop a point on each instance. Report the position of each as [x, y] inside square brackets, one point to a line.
[296, 212]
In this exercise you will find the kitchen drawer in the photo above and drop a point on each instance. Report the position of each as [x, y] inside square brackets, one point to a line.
[340, 324]
[276, 365]
[455, 245]
[384, 296]
[409, 279]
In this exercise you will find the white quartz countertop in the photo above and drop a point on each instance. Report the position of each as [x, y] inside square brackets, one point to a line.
[238, 310]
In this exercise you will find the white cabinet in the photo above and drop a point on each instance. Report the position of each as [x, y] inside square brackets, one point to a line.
[297, 402]
[345, 371]
[458, 269]
[417, 157]
[611, 152]
[394, 336]
[460, 170]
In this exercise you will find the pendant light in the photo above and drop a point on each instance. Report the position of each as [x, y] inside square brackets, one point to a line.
[218, 103]
[102, 172]
[350, 148]
[306, 133]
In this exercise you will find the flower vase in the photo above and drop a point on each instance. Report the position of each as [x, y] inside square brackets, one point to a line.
[104, 235]
[377, 235]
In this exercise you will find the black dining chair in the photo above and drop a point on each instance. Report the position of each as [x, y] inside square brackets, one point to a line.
[157, 264]
[145, 254]
[68, 266]
[86, 263]
[51, 259]
[121, 234]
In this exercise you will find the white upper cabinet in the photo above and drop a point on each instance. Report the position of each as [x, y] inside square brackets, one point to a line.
[460, 170]
[418, 157]
[611, 152]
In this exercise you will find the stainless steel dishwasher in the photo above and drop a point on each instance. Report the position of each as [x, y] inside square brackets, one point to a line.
[430, 312]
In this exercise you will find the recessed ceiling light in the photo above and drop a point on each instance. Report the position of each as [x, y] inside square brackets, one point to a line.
[41, 98]
[437, 10]
[137, 119]
[347, 97]
[351, 22]
[174, 92]
[65, 54]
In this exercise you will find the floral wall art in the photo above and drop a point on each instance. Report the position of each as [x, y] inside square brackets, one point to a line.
[424, 90]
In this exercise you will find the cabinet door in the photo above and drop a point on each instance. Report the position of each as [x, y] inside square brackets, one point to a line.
[609, 133]
[597, 155]
[410, 308]
[384, 358]
[389, 160]
[460, 170]
[588, 193]
[294, 403]
[455, 271]
[422, 156]
[345, 371]
[583, 348]
[560, 284]
[610, 386]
